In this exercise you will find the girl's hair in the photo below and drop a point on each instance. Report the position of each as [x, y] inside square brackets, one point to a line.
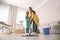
[27, 12]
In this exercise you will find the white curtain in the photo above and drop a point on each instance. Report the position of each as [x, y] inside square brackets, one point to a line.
[20, 16]
[12, 16]
[4, 11]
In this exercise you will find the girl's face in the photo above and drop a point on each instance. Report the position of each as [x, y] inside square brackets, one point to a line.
[27, 13]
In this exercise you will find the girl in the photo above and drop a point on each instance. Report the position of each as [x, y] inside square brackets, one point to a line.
[27, 23]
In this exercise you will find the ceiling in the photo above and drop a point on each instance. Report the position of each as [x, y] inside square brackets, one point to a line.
[24, 3]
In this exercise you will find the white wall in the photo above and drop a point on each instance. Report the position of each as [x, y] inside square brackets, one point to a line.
[49, 12]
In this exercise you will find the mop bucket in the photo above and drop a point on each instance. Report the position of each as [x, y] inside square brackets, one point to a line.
[46, 31]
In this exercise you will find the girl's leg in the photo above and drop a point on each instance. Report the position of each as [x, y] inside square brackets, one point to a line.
[27, 30]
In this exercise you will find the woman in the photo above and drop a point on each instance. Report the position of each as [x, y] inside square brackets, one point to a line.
[33, 19]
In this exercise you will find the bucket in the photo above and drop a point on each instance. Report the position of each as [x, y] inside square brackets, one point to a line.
[46, 31]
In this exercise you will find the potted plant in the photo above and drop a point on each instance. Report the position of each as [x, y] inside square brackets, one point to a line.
[21, 22]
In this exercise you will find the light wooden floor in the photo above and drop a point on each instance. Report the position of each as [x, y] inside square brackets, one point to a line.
[19, 37]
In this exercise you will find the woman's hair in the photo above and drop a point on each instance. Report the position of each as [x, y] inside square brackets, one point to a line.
[32, 10]
[30, 7]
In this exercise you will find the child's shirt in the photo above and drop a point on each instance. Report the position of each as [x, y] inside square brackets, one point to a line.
[27, 22]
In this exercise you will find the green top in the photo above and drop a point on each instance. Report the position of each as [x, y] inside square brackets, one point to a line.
[27, 22]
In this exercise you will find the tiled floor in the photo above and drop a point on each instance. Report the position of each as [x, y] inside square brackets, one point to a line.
[40, 37]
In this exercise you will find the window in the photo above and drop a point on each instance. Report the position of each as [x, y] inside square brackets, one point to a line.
[4, 10]
[20, 16]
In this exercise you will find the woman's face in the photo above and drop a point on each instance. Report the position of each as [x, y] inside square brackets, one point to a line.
[30, 9]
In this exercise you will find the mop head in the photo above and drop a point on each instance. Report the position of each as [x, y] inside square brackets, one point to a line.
[29, 35]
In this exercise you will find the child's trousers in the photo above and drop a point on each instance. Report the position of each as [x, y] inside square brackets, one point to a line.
[27, 30]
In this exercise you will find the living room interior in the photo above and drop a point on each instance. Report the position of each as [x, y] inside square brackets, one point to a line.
[13, 22]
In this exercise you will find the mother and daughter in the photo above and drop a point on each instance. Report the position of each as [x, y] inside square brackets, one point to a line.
[32, 20]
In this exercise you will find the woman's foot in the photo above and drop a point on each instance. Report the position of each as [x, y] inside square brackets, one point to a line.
[35, 34]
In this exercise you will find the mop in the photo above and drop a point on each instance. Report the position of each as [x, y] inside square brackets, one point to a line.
[30, 31]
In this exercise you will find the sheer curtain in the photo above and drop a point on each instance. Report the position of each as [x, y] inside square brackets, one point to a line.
[20, 16]
[4, 10]
[12, 16]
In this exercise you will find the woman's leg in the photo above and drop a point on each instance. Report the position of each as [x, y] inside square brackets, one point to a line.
[34, 27]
